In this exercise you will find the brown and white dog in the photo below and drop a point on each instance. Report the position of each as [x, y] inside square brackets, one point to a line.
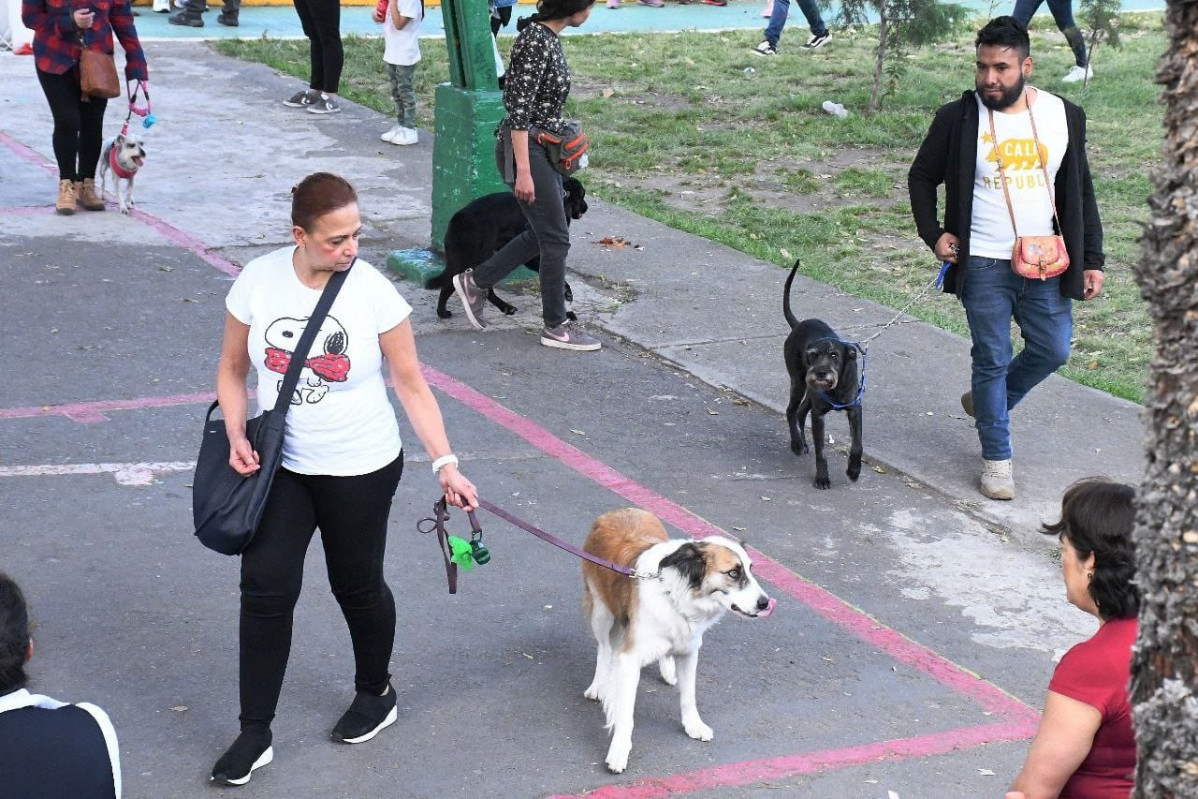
[638, 621]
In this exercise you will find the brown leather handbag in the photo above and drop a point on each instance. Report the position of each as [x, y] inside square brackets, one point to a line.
[1033, 257]
[97, 73]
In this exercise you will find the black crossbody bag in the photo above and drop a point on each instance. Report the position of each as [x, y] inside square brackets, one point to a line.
[225, 506]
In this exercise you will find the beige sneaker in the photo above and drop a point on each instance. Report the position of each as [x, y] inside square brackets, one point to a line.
[85, 192]
[967, 404]
[998, 481]
[65, 204]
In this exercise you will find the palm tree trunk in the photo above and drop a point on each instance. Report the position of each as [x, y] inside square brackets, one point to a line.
[1164, 688]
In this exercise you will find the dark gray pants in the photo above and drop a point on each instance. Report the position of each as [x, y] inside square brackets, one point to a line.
[547, 235]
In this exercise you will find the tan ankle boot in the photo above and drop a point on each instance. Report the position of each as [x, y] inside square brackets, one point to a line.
[66, 198]
[85, 191]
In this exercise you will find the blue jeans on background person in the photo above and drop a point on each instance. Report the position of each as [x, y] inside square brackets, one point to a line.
[992, 296]
[773, 31]
[1062, 14]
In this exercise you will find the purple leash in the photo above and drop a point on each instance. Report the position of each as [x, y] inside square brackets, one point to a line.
[441, 515]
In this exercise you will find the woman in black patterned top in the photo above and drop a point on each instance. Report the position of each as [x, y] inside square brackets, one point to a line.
[535, 90]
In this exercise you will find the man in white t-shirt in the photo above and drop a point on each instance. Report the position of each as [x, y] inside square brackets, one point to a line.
[1040, 139]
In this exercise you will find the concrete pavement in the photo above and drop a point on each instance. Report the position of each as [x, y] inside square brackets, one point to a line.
[915, 641]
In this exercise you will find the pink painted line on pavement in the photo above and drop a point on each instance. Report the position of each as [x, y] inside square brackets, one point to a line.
[89, 412]
[773, 768]
[823, 602]
[168, 231]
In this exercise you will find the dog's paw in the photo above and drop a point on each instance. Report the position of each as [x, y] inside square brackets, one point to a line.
[617, 758]
[822, 483]
[573, 317]
[799, 446]
[696, 729]
[509, 310]
[854, 471]
[125, 209]
[592, 692]
[444, 314]
[669, 674]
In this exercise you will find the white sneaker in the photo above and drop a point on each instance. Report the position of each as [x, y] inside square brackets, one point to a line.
[998, 480]
[1078, 74]
[405, 136]
[390, 135]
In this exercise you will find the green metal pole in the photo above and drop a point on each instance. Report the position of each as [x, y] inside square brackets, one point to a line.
[468, 109]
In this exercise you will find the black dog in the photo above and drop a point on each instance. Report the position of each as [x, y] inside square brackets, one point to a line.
[482, 227]
[823, 377]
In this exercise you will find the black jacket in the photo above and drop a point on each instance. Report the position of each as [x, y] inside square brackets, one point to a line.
[948, 155]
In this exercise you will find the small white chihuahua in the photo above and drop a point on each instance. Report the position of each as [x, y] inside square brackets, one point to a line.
[123, 155]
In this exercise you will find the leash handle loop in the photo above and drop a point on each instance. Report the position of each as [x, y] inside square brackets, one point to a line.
[436, 523]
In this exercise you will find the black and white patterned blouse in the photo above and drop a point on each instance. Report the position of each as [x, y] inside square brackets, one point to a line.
[537, 82]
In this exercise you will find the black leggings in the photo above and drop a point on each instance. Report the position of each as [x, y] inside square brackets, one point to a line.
[78, 125]
[321, 20]
[351, 513]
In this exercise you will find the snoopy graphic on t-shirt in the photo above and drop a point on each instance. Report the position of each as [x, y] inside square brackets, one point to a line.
[327, 361]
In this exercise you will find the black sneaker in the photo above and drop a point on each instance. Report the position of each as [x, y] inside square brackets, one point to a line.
[183, 18]
[473, 297]
[765, 48]
[303, 99]
[228, 20]
[251, 750]
[367, 715]
[817, 41]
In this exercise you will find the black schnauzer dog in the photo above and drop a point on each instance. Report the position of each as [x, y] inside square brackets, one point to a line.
[823, 377]
[481, 228]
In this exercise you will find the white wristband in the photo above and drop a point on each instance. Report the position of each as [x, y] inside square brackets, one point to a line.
[443, 461]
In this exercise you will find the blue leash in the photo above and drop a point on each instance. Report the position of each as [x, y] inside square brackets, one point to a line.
[860, 346]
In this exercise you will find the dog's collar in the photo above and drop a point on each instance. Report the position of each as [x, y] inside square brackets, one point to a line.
[116, 168]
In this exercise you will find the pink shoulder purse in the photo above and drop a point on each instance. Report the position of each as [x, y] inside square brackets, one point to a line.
[1034, 257]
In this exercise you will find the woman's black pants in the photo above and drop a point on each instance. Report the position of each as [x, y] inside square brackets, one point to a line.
[78, 125]
[351, 513]
[321, 21]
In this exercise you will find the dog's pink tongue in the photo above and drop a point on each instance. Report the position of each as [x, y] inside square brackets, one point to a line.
[768, 609]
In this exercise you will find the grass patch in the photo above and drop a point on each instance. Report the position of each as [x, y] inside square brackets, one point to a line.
[785, 180]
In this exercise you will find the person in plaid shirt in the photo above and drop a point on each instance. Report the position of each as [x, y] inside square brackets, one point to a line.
[60, 28]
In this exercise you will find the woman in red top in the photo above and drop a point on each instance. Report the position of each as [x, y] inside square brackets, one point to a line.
[1084, 747]
[60, 29]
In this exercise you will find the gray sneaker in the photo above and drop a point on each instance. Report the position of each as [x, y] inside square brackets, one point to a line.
[324, 105]
[568, 337]
[303, 99]
[473, 297]
[967, 404]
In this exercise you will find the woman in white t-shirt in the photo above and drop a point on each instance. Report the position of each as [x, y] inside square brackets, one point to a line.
[342, 456]
[401, 43]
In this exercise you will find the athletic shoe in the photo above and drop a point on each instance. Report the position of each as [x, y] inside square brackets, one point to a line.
[366, 717]
[325, 105]
[390, 135]
[1077, 73]
[406, 136]
[568, 337]
[765, 48]
[186, 19]
[228, 20]
[473, 298]
[303, 99]
[998, 481]
[967, 404]
[251, 750]
[817, 41]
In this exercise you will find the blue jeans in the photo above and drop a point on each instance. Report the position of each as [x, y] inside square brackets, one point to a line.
[773, 31]
[1062, 14]
[992, 296]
